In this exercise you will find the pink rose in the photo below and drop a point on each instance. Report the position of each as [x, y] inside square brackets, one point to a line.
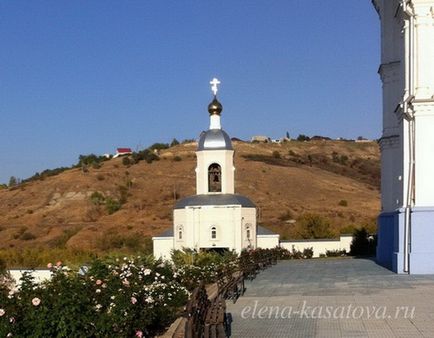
[133, 300]
[139, 334]
[98, 282]
[2, 312]
[59, 263]
[36, 301]
[50, 265]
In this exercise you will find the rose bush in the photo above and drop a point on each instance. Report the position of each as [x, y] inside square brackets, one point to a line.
[128, 297]
[116, 298]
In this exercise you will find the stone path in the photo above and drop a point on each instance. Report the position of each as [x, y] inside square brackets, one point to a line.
[334, 298]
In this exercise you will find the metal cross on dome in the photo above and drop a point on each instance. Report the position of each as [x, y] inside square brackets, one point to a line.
[214, 82]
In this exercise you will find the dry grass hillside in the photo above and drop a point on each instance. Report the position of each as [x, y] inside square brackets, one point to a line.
[338, 180]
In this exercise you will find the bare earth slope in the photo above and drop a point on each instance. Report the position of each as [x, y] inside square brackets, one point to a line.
[285, 181]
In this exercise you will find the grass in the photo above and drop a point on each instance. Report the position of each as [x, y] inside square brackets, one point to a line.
[32, 258]
[60, 242]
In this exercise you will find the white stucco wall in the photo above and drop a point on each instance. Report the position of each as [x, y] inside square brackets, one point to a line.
[407, 73]
[267, 241]
[320, 246]
[230, 221]
[162, 247]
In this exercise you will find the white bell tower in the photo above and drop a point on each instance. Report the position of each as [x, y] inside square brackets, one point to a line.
[215, 154]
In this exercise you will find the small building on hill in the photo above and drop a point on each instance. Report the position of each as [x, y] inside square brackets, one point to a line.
[261, 139]
[216, 218]
[122, 152]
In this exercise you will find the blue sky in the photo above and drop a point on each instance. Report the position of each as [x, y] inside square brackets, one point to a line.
[79, 77]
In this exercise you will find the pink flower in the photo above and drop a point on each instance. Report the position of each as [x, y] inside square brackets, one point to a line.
[139, 334]
[59, 263]
[98, 282]
[36, 301]
[125, 282]
[133, 300]
[50, 265]
[2, 312]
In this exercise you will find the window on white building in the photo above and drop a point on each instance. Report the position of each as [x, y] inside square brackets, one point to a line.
[213, 233]
[180, 232]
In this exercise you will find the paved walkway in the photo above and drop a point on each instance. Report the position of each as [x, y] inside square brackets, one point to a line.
[334, 298]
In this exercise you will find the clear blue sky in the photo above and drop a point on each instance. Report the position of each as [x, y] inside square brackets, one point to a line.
[79, 77]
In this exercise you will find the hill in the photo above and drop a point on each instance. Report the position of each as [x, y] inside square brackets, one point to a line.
[78, 209]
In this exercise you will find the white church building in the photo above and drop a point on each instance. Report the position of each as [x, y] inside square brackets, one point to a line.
[406, 224]
[216, 218]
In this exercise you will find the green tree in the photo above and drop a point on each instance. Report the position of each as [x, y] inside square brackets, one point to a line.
[314, 226]
[362, 245]
[302, 137]
[174, 142]
[13, 181]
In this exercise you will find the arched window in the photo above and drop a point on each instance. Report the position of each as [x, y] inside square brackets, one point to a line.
[180, 232]
[213, 233]
[214, 178]
[248, 231]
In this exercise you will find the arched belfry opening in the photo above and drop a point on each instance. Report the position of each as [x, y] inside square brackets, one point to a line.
[214, 178]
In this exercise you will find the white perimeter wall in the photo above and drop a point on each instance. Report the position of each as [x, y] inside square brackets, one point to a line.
[319, 246]
[162, 247]
[267, 241]
[39, 275]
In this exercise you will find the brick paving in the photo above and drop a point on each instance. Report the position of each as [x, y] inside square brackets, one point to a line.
[334, 298]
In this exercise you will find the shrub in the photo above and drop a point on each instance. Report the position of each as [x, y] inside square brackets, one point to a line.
[286, 216]
[276, 154]
[343, 159]
[361, 244]
[335, 157]
[159, 146]
[96, 165]
[90, 160]
[114, 299]
[336, 253]
[283, 253]
[126, 161]
[112, 205]
[343, 203]
[27, 236]
[2, 267]
[314, 226]
[308, 253]
[97, 198]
